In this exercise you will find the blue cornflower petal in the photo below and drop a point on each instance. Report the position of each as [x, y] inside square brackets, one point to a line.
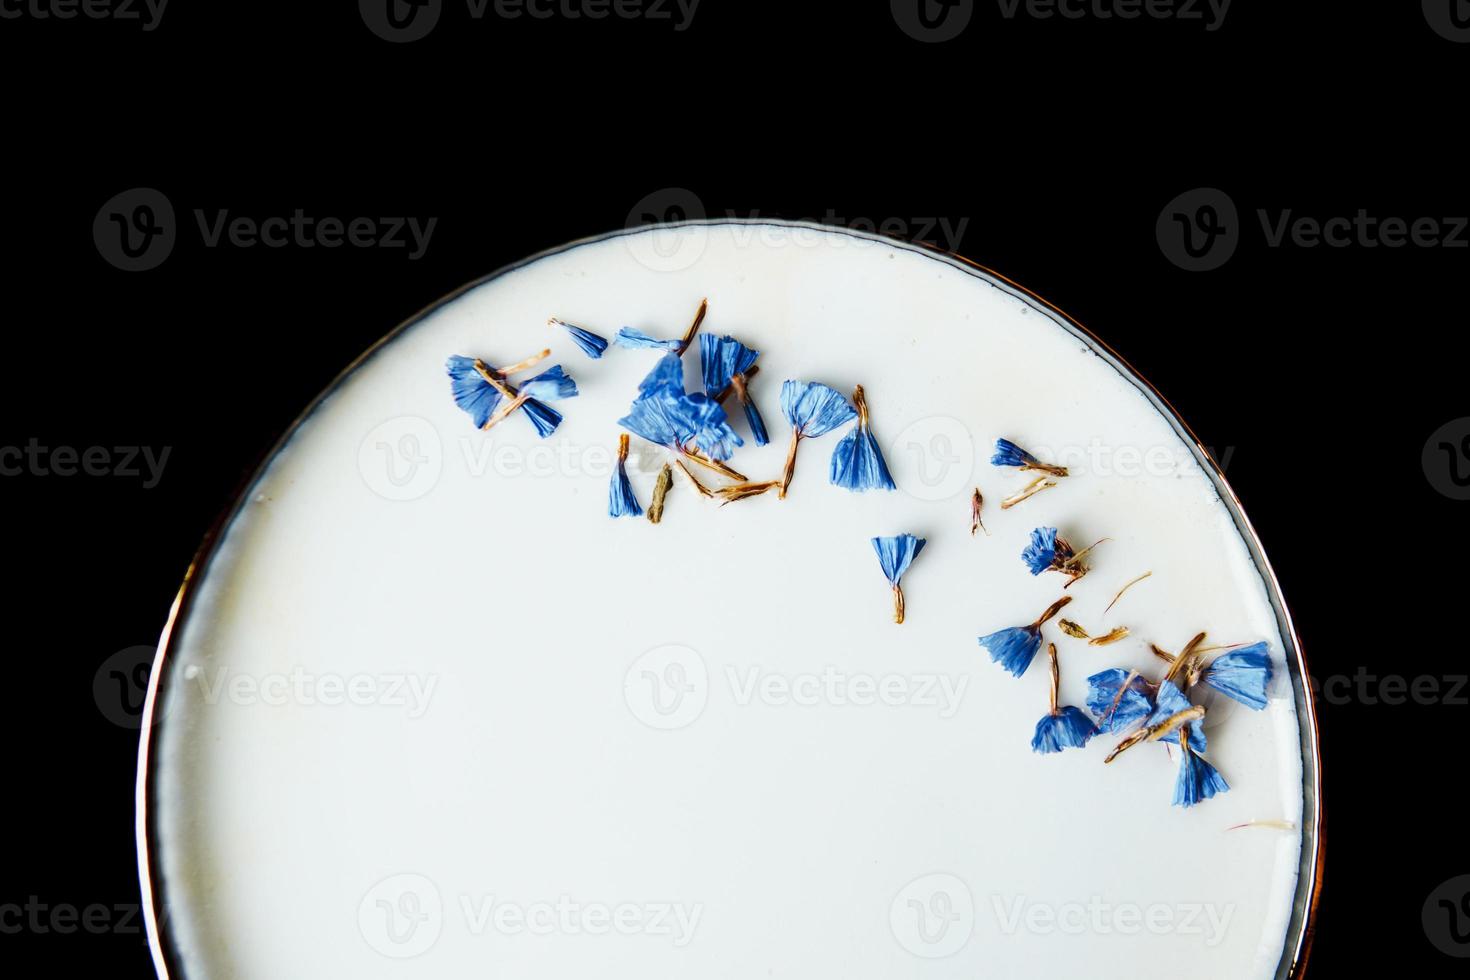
[895, 554]
[1198, 780]
[709, 427]
[1133, 707]
[857, 462]
[638, 340]
[1170, 702]
[665, 415]
[1242, 674]
[552, 383]
[1069, 728]
[756, 423]
[542, 416]
[1007, 453]
[471, 391]
[591, 344]
[814, 409]
[720, 359]
[620, 499]
[1013, 648]
[1042, 551]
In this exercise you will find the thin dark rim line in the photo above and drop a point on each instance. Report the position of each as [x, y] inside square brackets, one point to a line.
[1302, 923]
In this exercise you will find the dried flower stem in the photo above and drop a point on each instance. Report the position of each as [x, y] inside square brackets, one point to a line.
[660, 491]
[1072, 629]
[1113, 636]
[693, 328]
[790, 470]
[713, 464]
[1051, 611]
[739, 392]
[1161, 730]
[1030, 490]
[1185, 656]
[740, 491]
[1045, 468]
[1056, 675]
[525, 365]
[699, 488]
[1125, 589]
[505, 410]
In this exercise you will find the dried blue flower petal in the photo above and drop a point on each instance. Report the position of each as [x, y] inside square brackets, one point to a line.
[812, 410]
[857, 462]
[725, 363]
[1117, 708]
[620, 499]
[1049, 551]
[591, 344]
[1198, 780]
[720, 359]
[1170, 702]
[1063, 727]
[693, 425]
[1007, 453]
[1242, 674]
[895, 554]
[638, 340]
[475, 392]
[1069, 728]
[1016, 647]
[553, 383]
[471, 391]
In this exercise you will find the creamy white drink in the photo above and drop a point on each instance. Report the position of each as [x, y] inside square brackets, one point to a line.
[429, 712]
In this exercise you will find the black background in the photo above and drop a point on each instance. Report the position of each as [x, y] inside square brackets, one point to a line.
[1318, 373]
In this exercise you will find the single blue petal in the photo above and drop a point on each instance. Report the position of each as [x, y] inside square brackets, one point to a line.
[756, 423]
[638, 340]
[1013, 648]
[471, 391]
[1042, 551]
[657, 417]
[1198, 780]
[621, 501]
[1102, 695]
[552, 383]
[897, 553]
[667, 376]
[591, 344]
[1069, 728]
[1170, 702]
[814, 409]
[1007, 453]
[858, 464]
[542, 416]
[720, 359]
[1242, 674]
